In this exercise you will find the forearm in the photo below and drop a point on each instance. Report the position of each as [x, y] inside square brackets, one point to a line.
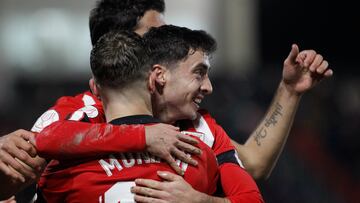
[204, 198]
[264, 146]
[68, 139]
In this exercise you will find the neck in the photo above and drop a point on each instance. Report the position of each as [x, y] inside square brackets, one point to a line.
[129, 101]
[161, 110]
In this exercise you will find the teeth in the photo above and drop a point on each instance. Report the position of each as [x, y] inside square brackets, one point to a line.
[198, 101]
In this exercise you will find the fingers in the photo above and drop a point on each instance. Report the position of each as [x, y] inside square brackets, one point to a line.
[187, 139]
[145, 199]
[21, 149]
[322, 67]
[25, 134]
[171, 161]
[168, 176]
[309, 57]
[26, 146]
[149, 183]
[147, 190]
[328, 73]
[183, 145]
[15, 155]
[18, 167]
[10, 173]
[293, 53]
[184, 157]
[316, 63]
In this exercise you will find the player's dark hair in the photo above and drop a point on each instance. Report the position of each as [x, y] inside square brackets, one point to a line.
[118, 59]
[169, 44]
[119, 14]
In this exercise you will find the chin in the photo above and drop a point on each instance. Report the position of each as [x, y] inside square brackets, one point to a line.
[192, 115]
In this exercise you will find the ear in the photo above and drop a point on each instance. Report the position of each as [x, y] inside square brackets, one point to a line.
[157, 78]
[94, 87]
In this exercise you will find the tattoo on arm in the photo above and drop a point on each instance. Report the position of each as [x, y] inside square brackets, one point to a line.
[269, 122]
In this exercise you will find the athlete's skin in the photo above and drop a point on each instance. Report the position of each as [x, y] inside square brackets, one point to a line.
[259, 154]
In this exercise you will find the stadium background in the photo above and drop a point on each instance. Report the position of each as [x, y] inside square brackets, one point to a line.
[44, 51]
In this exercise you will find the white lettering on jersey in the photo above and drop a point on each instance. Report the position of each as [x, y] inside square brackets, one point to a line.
[45, 120]
[128, 160]
[109, 166]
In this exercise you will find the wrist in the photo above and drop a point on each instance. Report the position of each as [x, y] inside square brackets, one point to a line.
[201, 197]
[289, 91]
[204, 198]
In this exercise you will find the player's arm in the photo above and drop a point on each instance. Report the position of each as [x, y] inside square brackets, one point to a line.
[19, 166]
[237, 185]
[301, 72]
[173, 189]
[64, 139]
[72, 140]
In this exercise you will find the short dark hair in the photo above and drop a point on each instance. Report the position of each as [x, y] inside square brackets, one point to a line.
[169, 44]
[119, 14]
[118, 59]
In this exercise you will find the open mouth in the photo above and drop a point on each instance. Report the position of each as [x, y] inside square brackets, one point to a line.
[197, 102]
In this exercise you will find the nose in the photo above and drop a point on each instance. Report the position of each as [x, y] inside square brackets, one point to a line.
[206, 86]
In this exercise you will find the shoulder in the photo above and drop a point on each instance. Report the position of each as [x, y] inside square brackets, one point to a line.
[84, 99]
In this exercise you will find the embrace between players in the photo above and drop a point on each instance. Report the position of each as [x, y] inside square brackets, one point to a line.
[142, 81]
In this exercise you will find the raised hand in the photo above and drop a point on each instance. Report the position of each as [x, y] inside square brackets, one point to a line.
[303, 70]
[166, 142]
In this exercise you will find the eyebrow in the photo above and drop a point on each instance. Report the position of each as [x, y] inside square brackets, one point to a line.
[202, 66]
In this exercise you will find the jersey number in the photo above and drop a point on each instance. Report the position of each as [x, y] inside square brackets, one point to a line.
[120, 192]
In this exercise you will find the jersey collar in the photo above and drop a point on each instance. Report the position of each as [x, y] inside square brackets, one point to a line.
[136, 119]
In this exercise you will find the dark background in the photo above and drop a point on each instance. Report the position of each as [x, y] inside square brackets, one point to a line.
[320, 161]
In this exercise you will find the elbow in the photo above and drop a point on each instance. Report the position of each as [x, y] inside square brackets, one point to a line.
[260, 175]
[258, 172]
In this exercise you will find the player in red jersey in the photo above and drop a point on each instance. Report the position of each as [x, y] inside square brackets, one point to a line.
[124, 93]
[259, 153]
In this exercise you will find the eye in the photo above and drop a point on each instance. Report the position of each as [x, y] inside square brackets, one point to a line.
[202, 72]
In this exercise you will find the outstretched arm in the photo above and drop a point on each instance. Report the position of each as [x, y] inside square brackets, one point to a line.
[74, 140]
[301, 72]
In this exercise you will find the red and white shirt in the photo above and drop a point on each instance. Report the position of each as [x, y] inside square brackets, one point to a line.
[61, 141]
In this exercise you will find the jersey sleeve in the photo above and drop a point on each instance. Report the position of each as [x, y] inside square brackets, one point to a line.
[238, 185]
[71, 139]
[222, 143]
[61, 135]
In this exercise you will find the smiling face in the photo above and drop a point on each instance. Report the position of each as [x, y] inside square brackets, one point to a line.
[186, 85]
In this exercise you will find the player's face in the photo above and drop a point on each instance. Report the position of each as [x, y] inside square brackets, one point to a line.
[186, 85]
[150, 19]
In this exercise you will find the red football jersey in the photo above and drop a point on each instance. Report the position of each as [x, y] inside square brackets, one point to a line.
[61, 141]
[109, 178]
